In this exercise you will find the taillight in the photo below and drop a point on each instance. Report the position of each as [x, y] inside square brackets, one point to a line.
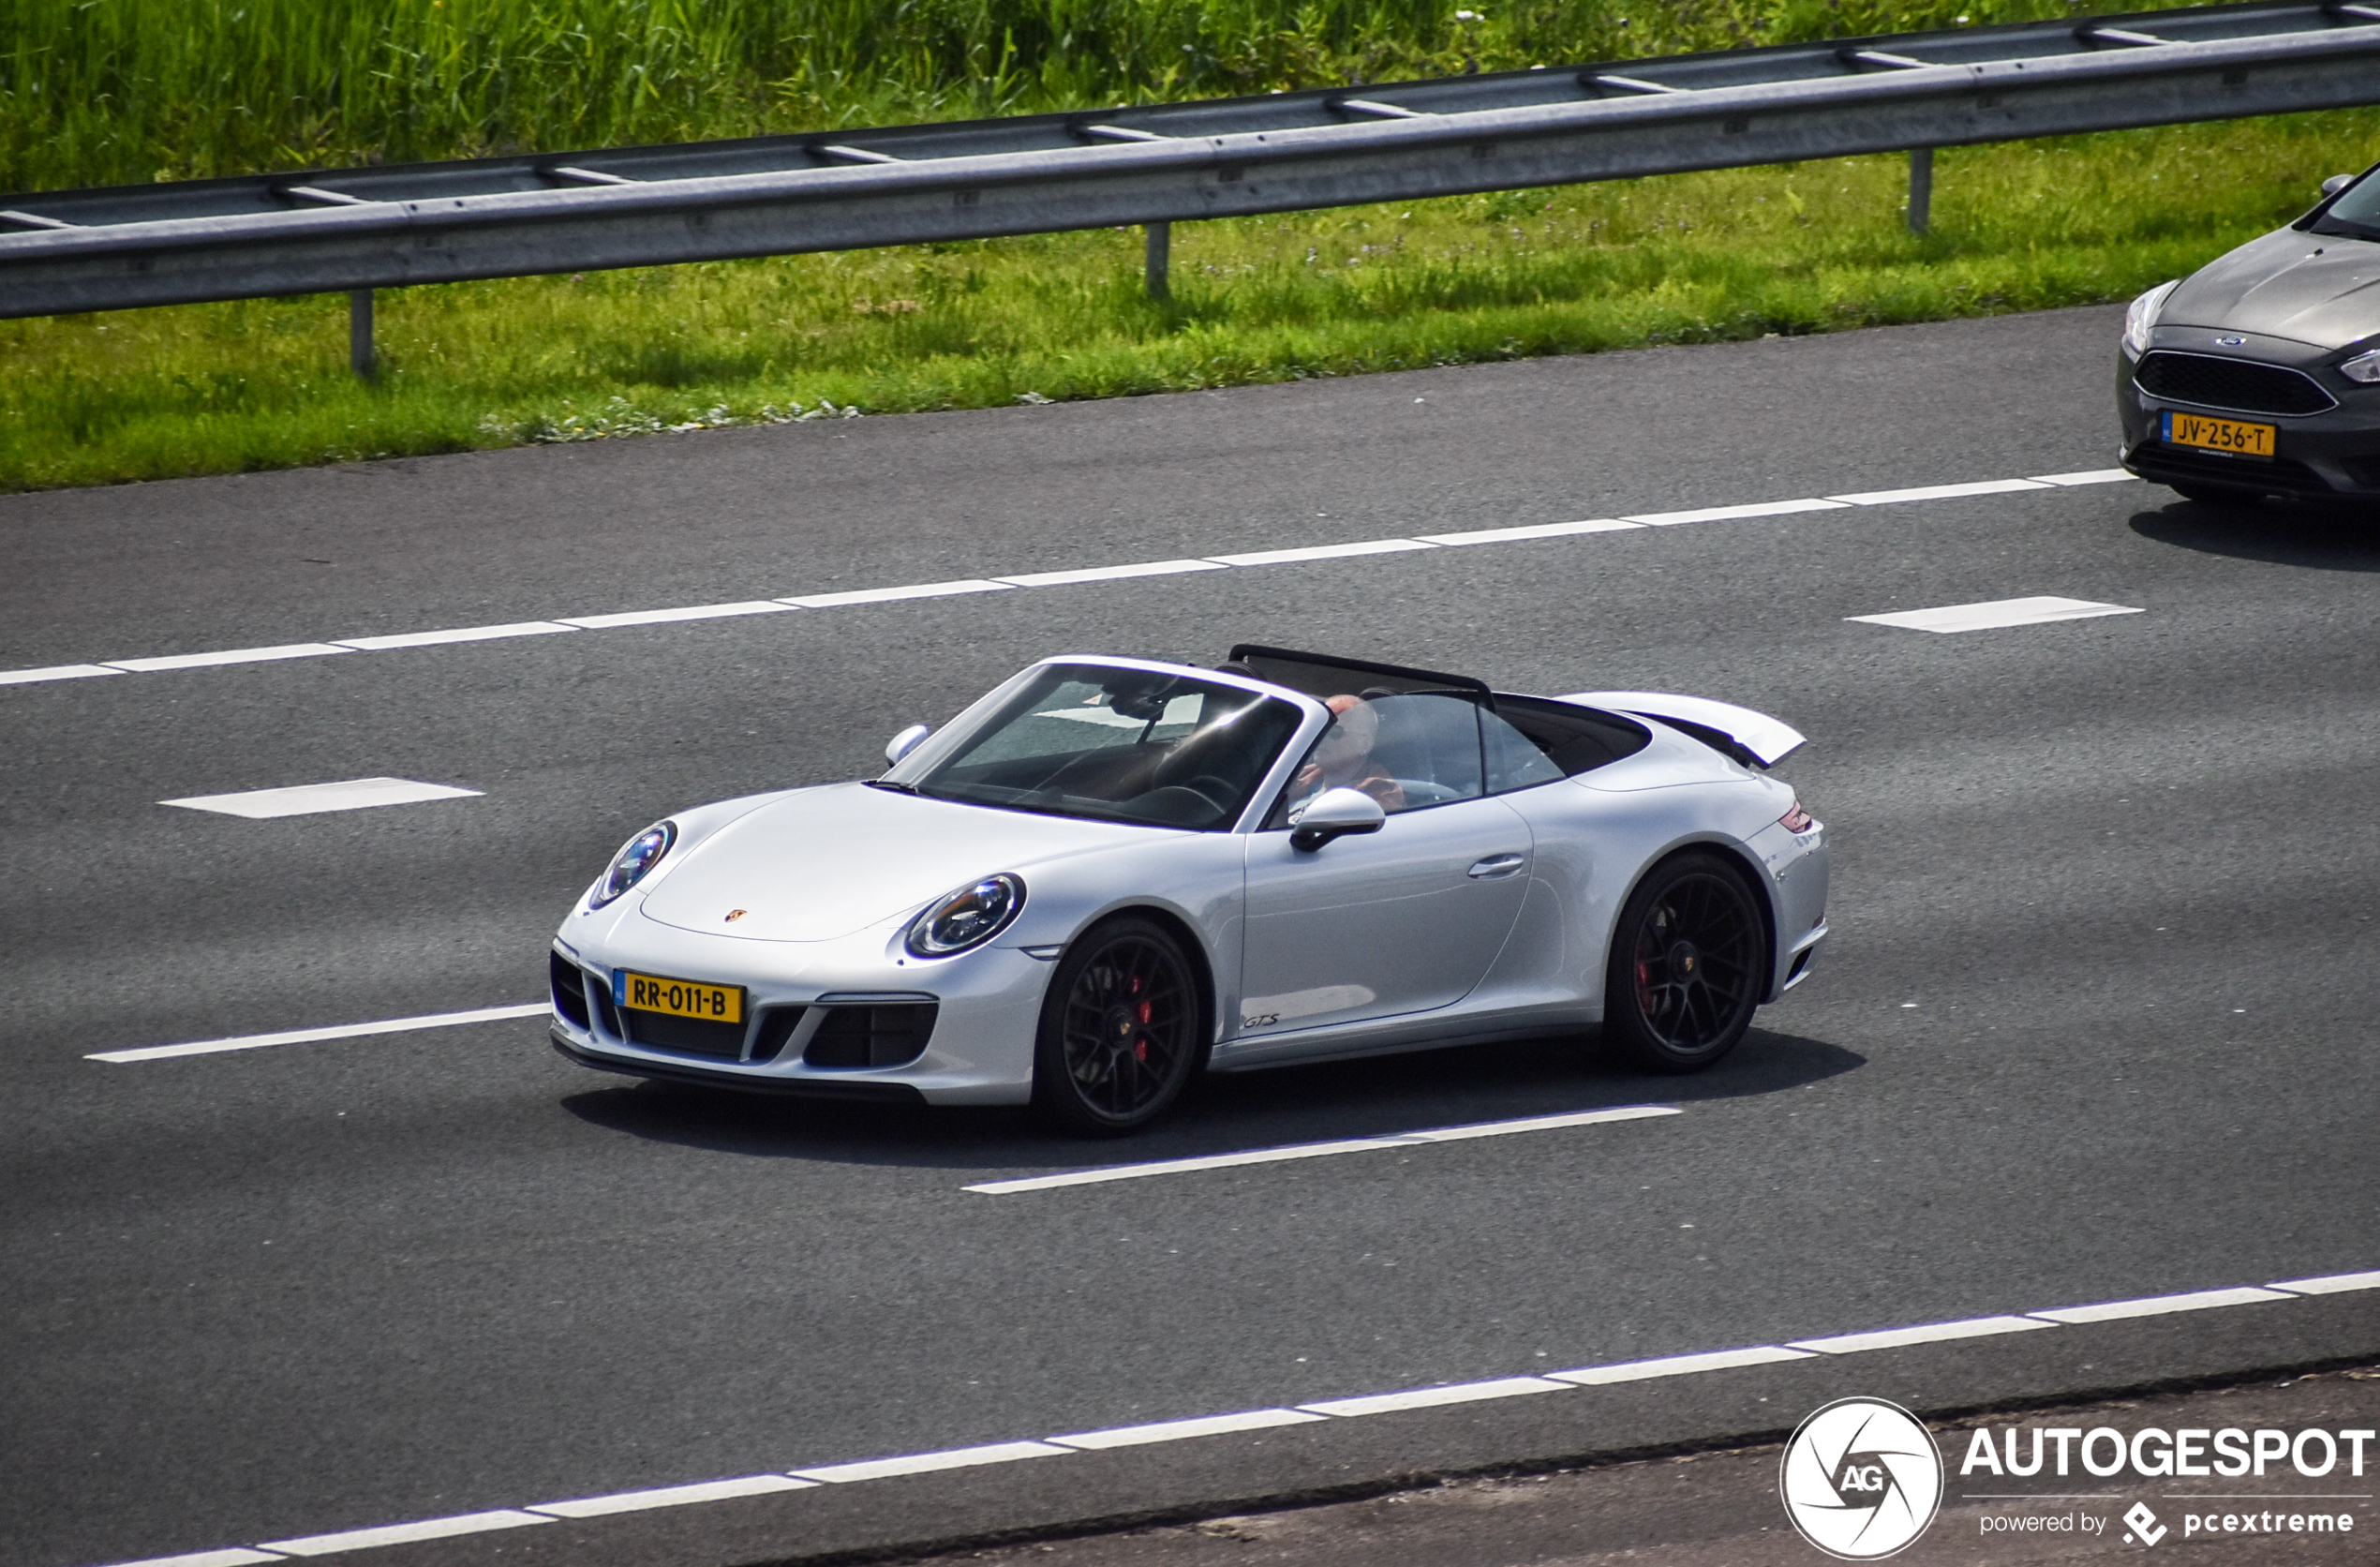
[1796, 820]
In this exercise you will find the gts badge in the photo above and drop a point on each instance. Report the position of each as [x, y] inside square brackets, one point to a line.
[1262, 1020]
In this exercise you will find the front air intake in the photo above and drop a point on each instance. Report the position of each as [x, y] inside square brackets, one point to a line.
[876, 1035]
[570, 988]
[2210, 381]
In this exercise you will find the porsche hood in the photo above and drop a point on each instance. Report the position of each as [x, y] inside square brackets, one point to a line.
[2319, 289]
[822, 863]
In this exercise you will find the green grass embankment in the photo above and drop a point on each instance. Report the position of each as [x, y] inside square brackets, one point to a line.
[1811, 247]
[92, 91]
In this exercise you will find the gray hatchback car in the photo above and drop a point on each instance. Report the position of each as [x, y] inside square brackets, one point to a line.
[2260, 374]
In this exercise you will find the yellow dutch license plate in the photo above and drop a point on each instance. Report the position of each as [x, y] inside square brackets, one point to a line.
[679, 998]
[2229, 436]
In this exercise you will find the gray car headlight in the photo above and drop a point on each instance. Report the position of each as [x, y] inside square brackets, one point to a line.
[2364, 367]
[968, 918]
[2142, 316]
[641, 853]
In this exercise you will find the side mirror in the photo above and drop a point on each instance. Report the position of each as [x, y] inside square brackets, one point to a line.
[906, 741]
[1335, 813]
[2335, 183]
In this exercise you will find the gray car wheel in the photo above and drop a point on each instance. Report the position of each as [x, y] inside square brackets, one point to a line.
[1119, 1030]
[1686, 967]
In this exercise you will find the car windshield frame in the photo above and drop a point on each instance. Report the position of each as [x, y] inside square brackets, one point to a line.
[1173, 747]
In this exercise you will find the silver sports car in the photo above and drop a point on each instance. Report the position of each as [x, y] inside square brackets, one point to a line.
[2260, 374]
[1110, 874]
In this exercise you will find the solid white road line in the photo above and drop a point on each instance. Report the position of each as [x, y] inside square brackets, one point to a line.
[1057, 579]
[1930, 1332]
[57, 672]
[1109, 573]
[308, 800]
[2094, 476]
[2157, 1306]
[664, 616]
[400, 1534]
[1677, 1365]
[671, 1496]
[1994, 613]
[1318, 552]
[1178, 1430]
[2334, 1284]
[308, 1035]
[1179, 1167]
[1257, 1419]
[1530, 530]
[929, 1463]
[1434, 1397]
[454, 633]
[1538, 1123]
[889, 595]
[235, 655]
[1732, 514]
[1319, 1150]
[1941, 492]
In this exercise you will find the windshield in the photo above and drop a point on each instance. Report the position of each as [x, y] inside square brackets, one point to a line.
[2356, 213]
[1123, 745]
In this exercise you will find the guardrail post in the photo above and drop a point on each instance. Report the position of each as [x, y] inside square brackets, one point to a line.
[359, 331]
[1160, 259]
[1921, 188]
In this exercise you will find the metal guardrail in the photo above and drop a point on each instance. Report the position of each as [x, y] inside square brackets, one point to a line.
[364, 229]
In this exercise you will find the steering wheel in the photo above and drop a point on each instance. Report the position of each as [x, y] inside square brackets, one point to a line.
[1215, 791]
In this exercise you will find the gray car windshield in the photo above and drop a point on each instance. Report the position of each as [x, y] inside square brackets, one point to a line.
[1122, 745]
[2356, 213]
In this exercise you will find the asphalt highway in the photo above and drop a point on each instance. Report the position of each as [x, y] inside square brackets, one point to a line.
[2095, 1024]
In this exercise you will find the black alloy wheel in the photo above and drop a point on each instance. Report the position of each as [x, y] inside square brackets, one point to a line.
[1688, 964]
[1119, 1030]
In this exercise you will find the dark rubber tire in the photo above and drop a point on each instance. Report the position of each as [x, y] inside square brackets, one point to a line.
[1689, 965]
[1121, 1030]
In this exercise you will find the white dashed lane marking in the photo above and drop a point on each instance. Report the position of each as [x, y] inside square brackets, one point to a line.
[1994, 613]
[1932, 1333]
[1320, 1150]
[1245, 1420]
[308, 800]
[1519, 534]
[309, 1036]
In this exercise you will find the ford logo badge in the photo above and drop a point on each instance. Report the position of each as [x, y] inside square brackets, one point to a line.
[2229, 342]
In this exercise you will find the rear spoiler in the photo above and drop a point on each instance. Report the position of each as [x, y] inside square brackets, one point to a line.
[1755, 740]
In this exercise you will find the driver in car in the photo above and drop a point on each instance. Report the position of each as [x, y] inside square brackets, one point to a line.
[1343, 759]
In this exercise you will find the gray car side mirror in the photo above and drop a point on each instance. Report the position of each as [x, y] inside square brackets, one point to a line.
[1335, 813]
[2335, 183]
[906, 741]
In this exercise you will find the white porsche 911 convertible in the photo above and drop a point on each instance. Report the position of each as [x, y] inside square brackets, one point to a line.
[1110, 874]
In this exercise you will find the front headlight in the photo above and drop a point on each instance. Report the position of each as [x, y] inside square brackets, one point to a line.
[2364, 367]
[967, 918]
[2143, 316]
[642, 853]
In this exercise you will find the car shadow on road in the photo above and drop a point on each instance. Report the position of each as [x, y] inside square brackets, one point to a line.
[2282, 533]
[1221, 1113]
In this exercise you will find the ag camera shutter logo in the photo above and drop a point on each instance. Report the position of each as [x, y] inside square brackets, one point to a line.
[1861, 1479]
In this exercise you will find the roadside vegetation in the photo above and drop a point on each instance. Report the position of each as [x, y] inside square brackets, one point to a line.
[109, 91]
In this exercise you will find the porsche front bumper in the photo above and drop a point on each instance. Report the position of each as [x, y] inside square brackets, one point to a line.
[853, 1019]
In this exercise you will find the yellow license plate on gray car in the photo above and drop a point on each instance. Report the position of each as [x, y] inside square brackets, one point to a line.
[2231, 437]
[679, 998]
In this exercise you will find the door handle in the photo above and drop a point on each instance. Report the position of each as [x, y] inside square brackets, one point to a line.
[1497, 866]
